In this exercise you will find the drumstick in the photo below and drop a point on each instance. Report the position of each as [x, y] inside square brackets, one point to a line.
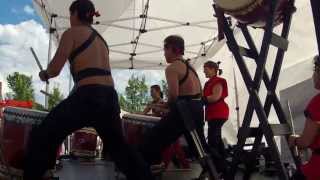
[296, 151]
[46, 93]
[160, 107]
[37, 61]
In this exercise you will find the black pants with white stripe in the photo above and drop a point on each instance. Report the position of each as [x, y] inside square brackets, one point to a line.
[169, 129]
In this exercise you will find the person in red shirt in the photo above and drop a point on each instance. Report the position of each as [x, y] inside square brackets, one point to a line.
[216, 109]
[310, 137]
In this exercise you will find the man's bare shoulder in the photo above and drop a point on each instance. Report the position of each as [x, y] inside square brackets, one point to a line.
[68, 33]
[169, 67]
[175, 66]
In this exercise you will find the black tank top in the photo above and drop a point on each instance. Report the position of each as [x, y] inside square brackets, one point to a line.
[87, 72]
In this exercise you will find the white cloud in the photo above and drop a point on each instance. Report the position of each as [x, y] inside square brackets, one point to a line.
[28, 9]
[15, 55]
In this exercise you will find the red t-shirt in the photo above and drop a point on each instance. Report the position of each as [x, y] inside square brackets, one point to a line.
[313, 112]
[219, 109]
[311, 169]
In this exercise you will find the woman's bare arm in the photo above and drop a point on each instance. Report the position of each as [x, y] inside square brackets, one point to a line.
[62, 54]
[310, 131]
[216, 93]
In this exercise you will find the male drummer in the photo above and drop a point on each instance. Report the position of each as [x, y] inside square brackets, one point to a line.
[183, 83]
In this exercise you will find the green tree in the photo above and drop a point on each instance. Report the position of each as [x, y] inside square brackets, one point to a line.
[164, 89]
[55, 98]
[21, 87]
[135, 96]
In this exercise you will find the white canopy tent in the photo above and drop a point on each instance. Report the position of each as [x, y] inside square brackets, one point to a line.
[135, 29]
[109, 9]
[121, 22]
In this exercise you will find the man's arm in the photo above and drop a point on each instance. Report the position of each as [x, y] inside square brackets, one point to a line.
[173, 84]
[61, 56]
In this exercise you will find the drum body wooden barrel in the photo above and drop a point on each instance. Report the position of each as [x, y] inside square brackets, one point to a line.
[253, 12]
[84, 143]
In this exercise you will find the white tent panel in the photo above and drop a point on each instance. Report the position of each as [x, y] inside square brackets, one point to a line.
[109, 10]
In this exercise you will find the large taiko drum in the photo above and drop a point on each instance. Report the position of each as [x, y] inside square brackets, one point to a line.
[84, 143]
[15, 130]
[134, 126]
[253, 12]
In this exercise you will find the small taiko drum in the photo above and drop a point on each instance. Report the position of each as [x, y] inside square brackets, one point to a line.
[134, 126]
[84, 143]
[16, 126]
[253, 12]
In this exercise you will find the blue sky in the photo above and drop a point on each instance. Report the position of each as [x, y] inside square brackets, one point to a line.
[15, 11]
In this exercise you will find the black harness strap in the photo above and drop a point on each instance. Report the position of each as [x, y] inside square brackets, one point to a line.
[187, 73]
[185, 76]
[83, 47]
[86, 44]
[99, 35]
[190, 97]
[87, 72]
[189, 67]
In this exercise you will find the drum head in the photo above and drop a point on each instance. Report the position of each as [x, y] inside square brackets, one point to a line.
[79, 170]
[23, 115]
[234, 5]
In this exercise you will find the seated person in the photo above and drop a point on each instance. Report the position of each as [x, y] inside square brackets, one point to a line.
[156, 105]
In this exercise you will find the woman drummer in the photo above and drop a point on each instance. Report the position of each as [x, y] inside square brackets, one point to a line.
[155, 106]
[310, 137]
[94, 103]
